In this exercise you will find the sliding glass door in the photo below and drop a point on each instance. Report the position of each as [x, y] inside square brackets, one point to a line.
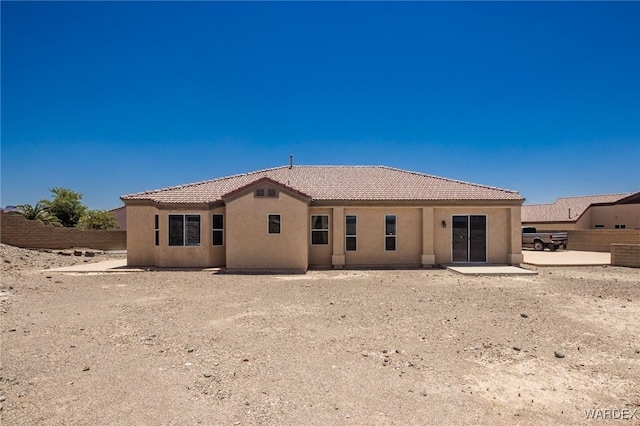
[469, 238]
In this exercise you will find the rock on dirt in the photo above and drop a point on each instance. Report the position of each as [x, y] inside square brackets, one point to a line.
[18, 259]
[134, 331]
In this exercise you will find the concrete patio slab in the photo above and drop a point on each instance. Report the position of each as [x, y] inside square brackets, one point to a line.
[565, 258]
[489, 270]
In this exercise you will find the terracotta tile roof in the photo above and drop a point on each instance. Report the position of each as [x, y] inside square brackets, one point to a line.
[335, 183]
[567, 209]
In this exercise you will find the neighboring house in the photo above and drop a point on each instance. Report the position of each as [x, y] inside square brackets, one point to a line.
[612, 211]
[296, 217]
[121, 216]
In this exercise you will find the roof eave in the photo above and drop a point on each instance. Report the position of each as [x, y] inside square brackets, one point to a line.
[407, 202]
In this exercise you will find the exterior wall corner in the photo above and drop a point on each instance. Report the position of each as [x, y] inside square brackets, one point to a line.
[428, 260]
[338, 261]
[515, 259]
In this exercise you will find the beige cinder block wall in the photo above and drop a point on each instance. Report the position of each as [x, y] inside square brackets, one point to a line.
[552, 226]
[250, 246]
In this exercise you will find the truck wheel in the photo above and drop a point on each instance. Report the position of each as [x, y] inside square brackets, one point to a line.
[538, 246]
[553, 247]
[564, 247]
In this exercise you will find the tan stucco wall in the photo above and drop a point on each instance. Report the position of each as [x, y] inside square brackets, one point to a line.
[609, 216]
[140, 236]
[320, 255]
[371, 236]
[500, 241]
[515, 256]
[421, 239]
[184, 256]
[141, 248]
[248, 244]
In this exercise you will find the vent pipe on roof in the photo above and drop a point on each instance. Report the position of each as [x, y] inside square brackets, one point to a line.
[569, 213]
[290, 161]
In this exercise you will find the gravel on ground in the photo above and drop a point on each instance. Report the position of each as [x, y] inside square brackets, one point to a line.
[326, 347]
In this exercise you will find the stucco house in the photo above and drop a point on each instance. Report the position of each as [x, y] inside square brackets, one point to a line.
[297, 217]
[121, 216]
[608, 211]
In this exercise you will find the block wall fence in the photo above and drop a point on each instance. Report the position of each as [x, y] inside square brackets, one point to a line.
[17, 231]
[601, 239]
[625, 255]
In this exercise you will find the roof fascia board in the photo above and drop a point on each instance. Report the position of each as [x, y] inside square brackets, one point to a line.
[415, 203]
[631, 199]
[173, 206]
[184, 206]
[137, 202]
[548, 222]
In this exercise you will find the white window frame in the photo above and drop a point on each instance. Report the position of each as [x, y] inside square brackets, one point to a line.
[394, 235]
[184, 230]
[213, 230]
[268, 222]
[347, 236]
[319, 230]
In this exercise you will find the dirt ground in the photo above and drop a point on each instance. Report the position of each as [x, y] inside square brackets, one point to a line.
[329, 347]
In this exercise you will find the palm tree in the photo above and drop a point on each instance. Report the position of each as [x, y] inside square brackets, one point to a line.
[39, 213]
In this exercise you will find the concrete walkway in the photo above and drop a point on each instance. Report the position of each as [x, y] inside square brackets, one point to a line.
[566, 258]
[489, 270]
[536, 258]
[118, 265]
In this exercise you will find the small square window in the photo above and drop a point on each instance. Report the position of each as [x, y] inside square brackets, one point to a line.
[260, 192]
[271, 192]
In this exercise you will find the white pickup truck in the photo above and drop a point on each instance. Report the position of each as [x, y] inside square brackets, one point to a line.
[541, 240]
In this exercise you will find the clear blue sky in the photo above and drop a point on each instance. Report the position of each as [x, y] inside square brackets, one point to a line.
[110, 98]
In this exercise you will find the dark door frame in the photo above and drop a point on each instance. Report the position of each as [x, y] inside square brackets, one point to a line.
[469, 239]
